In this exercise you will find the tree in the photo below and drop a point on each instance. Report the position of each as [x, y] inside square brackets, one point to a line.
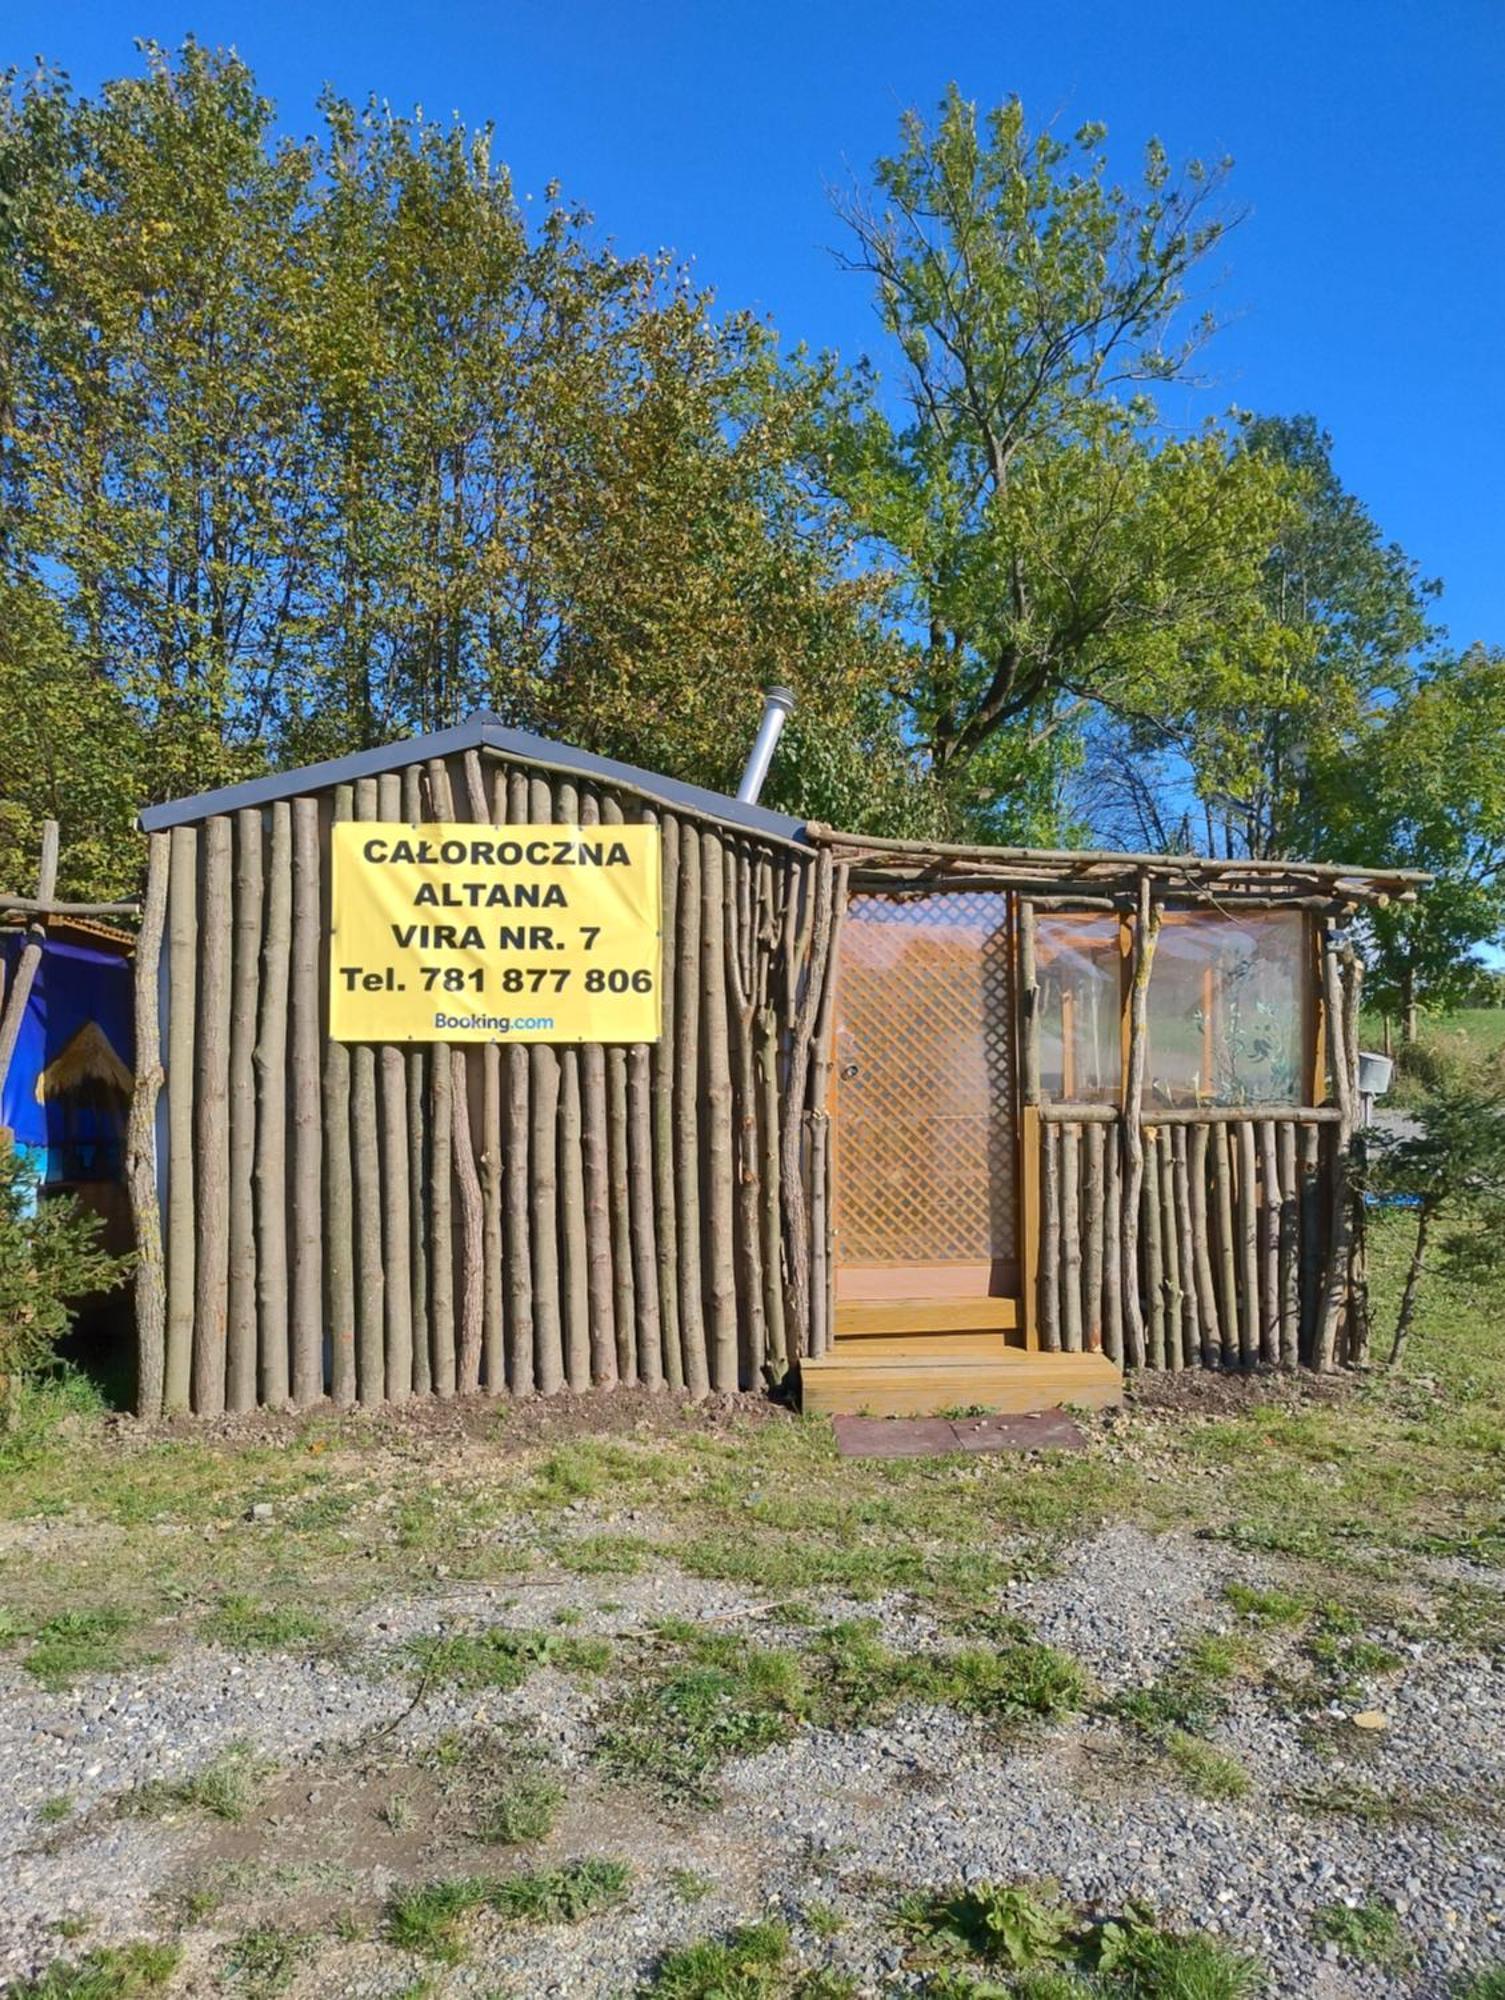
[1056, 550]
[1453, 1170]
[306, 445]
[1423, 786]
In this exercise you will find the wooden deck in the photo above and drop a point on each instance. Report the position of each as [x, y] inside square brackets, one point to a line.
[919, 1374]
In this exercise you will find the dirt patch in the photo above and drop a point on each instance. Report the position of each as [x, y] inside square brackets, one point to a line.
[1202, 1392]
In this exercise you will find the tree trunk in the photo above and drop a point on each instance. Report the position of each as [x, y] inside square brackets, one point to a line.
[1407, 1313]
[141, 1138]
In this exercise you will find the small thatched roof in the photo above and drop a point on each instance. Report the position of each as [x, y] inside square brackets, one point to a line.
[88, 1057]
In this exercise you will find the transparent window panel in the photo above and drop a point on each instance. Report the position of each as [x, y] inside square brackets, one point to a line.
[1226, 1009]
[1078, 968]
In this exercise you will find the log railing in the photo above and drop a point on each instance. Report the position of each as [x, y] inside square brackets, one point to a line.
[1235, 1253]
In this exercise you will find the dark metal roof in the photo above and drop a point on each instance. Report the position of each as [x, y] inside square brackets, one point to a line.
[481, 731]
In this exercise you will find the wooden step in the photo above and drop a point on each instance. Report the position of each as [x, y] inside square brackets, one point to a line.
[882, 1379]
[859, 1318]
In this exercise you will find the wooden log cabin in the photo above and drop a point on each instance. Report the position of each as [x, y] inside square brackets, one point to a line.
[920, 1128]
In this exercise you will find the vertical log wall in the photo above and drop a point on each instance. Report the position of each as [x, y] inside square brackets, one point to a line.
[371, 1223]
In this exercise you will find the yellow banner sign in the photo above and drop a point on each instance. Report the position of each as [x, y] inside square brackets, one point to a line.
[467, 933]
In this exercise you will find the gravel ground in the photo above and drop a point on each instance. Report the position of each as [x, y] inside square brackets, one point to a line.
[844, 1819]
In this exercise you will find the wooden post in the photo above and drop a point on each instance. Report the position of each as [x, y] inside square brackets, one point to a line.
[573, 1241]
[339, 1195]
[1191, 1314]
[305, 1203]
[365, 1125]
[640, 1171]
[1310, 1205]
[1207, 1295]
[806, 945]
[624, 1295]
[182, 1007]
[14, 1010]
[516, 1184]
[1050, 1238]
[1335, 1275]
[418, 1061]
[271, 1115]
[1146, 934]
[822, 1259]
[1221, 1138]
[1113, 1305]
[740, 909]
[1290, 1270]
[687, 1111]
[247, 965]
[141, 1137]
[1071, 1240]
[211, 1132]
[1093, 1136]
[493, 1304]
[596, 1168]
[1170, 1224]
[661, 1060]
[543, 1065]
[1154, 1253]
[1029, 1008]
[1248, 1241]
[392, 1095]
[1269, 1327]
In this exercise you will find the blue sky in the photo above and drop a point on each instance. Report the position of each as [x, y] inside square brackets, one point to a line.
[1367, 284]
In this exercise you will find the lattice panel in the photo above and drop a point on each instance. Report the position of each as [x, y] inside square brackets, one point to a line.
[925, 1158]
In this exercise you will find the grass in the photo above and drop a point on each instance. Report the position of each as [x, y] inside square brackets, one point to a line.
[1208, 1771]
[246, 1624]
[79, 1642]
[430, 1918]
[752, 1963]
[1486, 1985]
[525, 1809]
[1043, 1948]
[713, 1696]
[262, 1961]
[1370, 1932]
[117, 1972]
[502, 1657]
[227, 1789]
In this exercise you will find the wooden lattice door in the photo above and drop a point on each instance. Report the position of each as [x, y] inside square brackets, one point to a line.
[925, 1154]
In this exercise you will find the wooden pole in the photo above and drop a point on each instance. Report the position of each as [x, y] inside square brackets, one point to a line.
[1029, 1008]
[418, 1092]
[719, 1219]
[766, 1062]
[640, 1170]
[141, 1137]
[1175, 1293]
[493, 1301]
[1191, 1314]
[687, 1112]
[339, 1195]
[1113, 1306]
[1335, 1275]
[517, 1190]
[573, 1240]
[1093, 1137]
[624, 1294]
[1248, 1242]
[14, 1011]
[271, 1113]
[1310, 1206]
[739, 906]
[661, 1060]
[365, 1129]
[805, 964]
[1269, 1326]
[303, 1077]
[463, 1153]
[596, 1173]
[1050, 1238]
[211, 1133]
[1146, 933]
[1290, 1270]
[1207, 1295]
[543, 1063]
[392, 1097]
[1071, 1240]
[182, 1220]
[822, 1261]
[1154, 1253]
[1222, 1186]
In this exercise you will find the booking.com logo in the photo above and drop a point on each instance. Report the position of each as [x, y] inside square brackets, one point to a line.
[495, 1024]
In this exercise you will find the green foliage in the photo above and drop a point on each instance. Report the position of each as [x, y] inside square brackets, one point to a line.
[246, 1622]
[1210, 1772]
[50, 1259]
[502, 1657]
[262, 1961]
[1008, 1927]
[430, 1917]
[1052, 547]
[727, 1699]
[227, 1788]
[524, 1810]
[1370, 1932]
[1486, 1985]
[748, 1965]
[83, 1641]
[116, 1972]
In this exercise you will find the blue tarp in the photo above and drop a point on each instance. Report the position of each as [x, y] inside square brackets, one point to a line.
[75, 984]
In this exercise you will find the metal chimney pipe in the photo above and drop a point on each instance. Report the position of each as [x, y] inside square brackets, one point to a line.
[777, 705]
